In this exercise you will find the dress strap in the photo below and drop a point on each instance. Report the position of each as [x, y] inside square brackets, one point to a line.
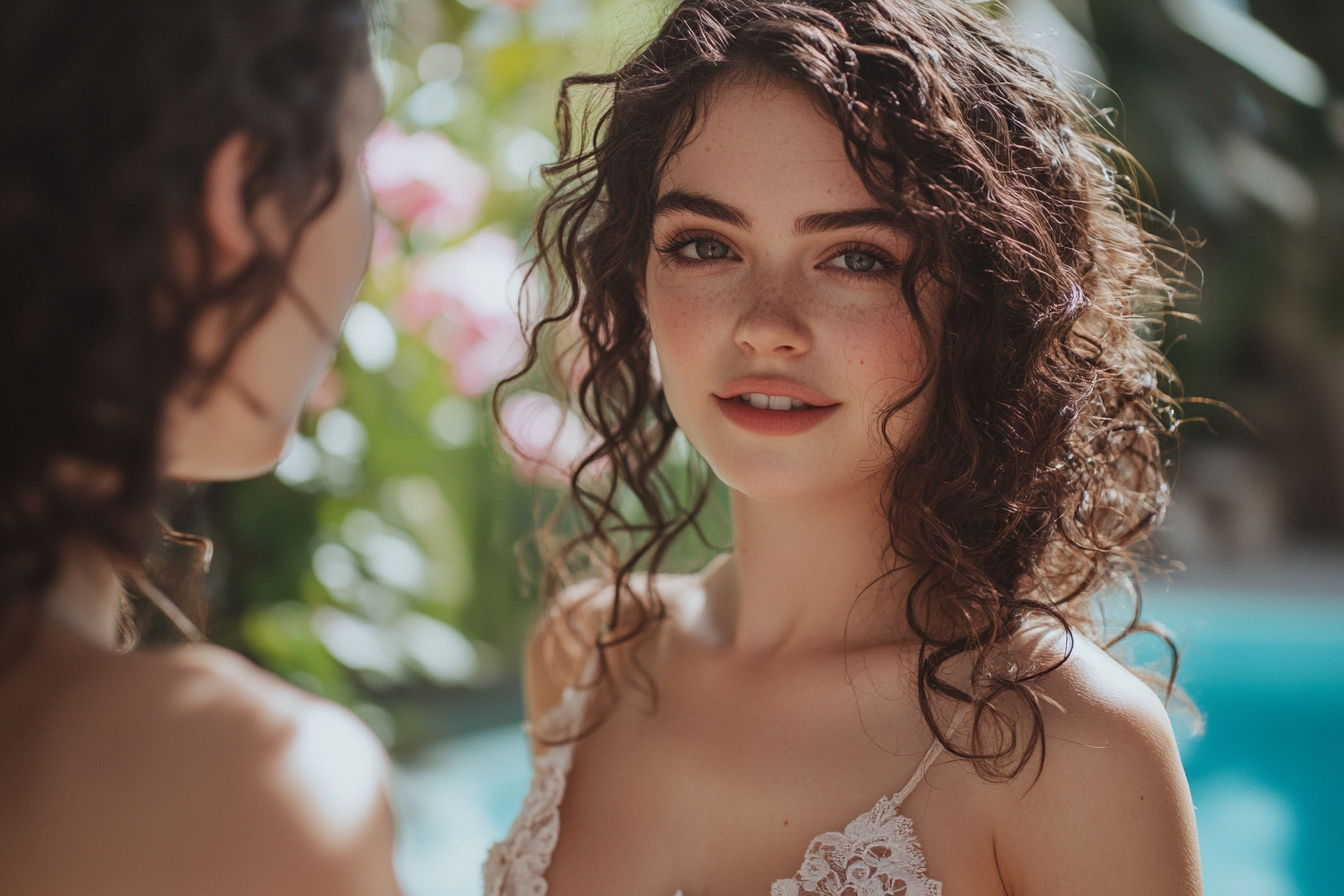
[935, 750]
[566, 719]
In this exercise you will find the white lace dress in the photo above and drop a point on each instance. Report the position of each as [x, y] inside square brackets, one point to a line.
[877, 854]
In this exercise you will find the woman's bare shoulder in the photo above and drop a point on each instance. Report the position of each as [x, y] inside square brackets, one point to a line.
[561, 645]
[202, 694]
[1109, 801]
[1091, 694]
[180, 766]
[563, 640]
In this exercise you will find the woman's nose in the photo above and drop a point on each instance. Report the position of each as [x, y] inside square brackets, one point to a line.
[770, 325]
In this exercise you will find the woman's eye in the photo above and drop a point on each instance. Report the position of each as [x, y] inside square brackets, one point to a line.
[856, 262]
[705, 250]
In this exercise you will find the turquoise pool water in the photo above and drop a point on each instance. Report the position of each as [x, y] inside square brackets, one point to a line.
[1266, 670]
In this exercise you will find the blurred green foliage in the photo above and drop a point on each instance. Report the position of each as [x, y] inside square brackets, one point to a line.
[387, 555]
[393, 551]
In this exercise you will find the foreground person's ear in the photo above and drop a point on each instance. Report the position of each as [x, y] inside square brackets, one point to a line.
[233, 239]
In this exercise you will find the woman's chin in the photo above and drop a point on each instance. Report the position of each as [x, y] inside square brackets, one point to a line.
[227, 460]
[770, 484]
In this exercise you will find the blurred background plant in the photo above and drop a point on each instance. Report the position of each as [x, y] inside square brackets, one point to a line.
[382, 564]
[1235, 109]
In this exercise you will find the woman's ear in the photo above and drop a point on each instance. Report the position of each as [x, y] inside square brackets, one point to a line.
[233, 239]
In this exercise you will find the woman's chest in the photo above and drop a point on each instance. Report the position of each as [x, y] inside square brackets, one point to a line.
[730, 805]
[700, 828]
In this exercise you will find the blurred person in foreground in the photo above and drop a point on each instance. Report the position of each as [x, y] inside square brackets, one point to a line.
[183, 225]
[881, 267]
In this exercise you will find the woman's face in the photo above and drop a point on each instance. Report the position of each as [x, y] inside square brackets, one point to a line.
[772, 291]
[250, 412]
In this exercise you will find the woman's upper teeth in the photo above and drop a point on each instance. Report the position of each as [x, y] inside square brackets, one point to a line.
[771, 402]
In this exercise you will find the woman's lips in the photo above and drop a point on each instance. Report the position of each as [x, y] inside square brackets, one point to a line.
[773, 423]
[773, 407]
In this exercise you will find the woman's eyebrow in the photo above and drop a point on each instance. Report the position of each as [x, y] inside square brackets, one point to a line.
[699, 204]
[858, 217]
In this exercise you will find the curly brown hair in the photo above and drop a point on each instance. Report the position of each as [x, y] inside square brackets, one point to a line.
[1039, 471]
[111, 113]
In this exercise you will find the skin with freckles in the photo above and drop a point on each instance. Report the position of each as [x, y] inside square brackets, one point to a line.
[786, 685]
[190, 770]
[797, 287]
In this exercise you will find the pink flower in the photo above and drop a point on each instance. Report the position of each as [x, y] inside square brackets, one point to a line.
[386, 243]
[480, 272]
[423, 181]
[469, 296]
[419, 308]
[546, 440]
[497, 352]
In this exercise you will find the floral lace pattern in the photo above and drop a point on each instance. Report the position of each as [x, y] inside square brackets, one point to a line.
[516, 866]
[876, 855]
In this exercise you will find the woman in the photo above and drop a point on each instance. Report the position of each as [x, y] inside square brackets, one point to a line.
[874, 261]
[183, 226]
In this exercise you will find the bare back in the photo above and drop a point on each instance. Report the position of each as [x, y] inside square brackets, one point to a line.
[177, 771]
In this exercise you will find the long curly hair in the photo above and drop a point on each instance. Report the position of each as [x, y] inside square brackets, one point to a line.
[111, 113]
[1039, 473]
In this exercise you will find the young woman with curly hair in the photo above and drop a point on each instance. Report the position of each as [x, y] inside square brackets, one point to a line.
[885, 273]
[183, 225]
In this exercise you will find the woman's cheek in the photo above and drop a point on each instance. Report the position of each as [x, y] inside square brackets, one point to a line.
[685, 317]
[886, 363]
[674, 341]
[685, 332]
[683, 328]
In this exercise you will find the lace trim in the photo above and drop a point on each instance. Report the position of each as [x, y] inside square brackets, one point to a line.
[516, 866]
[877, 854]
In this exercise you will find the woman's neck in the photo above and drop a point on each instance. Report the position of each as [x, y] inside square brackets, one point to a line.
[86, 595]
[809, 575]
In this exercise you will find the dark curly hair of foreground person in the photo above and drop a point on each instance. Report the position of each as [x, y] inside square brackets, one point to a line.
[111, 112]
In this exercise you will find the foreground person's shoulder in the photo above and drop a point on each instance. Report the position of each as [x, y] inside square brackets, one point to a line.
[562, 644]
[253, 785]
[209, 689]
[561, 650]
[1108, 811]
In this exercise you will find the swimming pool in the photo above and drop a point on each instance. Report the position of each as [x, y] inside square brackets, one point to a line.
[1266, 670]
